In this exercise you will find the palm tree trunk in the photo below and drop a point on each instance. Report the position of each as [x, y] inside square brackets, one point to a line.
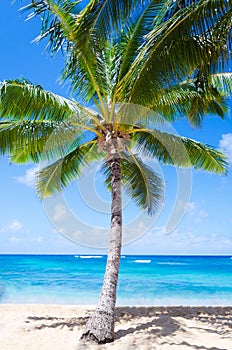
[100, 326]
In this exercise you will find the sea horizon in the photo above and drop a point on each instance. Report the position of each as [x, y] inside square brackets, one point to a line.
[102, 254]
[148, 280]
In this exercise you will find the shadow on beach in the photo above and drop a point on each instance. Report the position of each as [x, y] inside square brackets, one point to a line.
[164, 321]
[157, 323]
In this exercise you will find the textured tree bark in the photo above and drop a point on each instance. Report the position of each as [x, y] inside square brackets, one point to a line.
[100, 326]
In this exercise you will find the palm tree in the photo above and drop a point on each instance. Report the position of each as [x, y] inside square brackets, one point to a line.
[170, 57]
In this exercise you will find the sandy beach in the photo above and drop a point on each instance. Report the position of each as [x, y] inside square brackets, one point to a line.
[48, 327]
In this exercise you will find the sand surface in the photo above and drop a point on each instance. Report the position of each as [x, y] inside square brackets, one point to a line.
[57, 327]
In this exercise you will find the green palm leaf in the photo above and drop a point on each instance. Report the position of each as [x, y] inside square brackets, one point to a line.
[179, 151]
[99, 16]
[135, 33]
[35, 141]
[104, 68]
[54, 177]
[24, 141]
[22, 100]
[177, 47]
[222, 82]
[196, 99]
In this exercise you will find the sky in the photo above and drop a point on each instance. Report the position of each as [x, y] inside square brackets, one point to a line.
[195, 218]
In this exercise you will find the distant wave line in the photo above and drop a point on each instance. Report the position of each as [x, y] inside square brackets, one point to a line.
[89, 256]
[171, 263]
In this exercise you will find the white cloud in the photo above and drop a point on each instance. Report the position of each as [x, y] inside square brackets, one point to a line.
[37, 239]
[197, 214]
[15, 239]
[180, 242]
[203, 214]
[191, 208]
[59, 213]
[226, 145]
[14, 225]
[159, 231]
[29, 178]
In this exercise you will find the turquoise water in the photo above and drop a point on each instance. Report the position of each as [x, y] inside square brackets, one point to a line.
[143, 280]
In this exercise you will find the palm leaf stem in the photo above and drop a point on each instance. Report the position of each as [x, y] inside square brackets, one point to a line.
[84, 127]
[112, 110]
[104, 111]
[138, 129]
[88, 143]
[91, 115]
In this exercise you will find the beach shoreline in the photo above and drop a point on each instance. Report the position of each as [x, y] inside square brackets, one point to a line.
[48, 327]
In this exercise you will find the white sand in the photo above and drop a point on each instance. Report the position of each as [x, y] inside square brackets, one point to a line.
[56, 327]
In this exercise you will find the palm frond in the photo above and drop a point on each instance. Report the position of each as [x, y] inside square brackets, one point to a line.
[137, 115]
[79, 77]
[76, 31]
[56, 176]
[105, 70]
[222, 82]
[177, 47]
[78, 51]
[133, 39]
[140, 182]
[34, 141]
[51, 27]
[179, 151]
[195, 98]
[24, 141]
[104, 17]
[22, 100]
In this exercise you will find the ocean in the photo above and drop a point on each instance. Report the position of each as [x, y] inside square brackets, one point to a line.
[143, 280]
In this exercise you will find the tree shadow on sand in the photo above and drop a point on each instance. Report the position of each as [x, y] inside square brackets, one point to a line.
[160, 323]
[58, 322]
[163, 320]
[157, 321]
[194, 347]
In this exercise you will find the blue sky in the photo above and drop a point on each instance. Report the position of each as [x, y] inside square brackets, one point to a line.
[27, 226]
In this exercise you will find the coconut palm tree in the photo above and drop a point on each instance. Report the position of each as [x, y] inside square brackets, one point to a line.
[141, 63]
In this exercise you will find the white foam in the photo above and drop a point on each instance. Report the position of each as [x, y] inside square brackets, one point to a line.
[142, 261]
[170, 263]
[91, 256]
